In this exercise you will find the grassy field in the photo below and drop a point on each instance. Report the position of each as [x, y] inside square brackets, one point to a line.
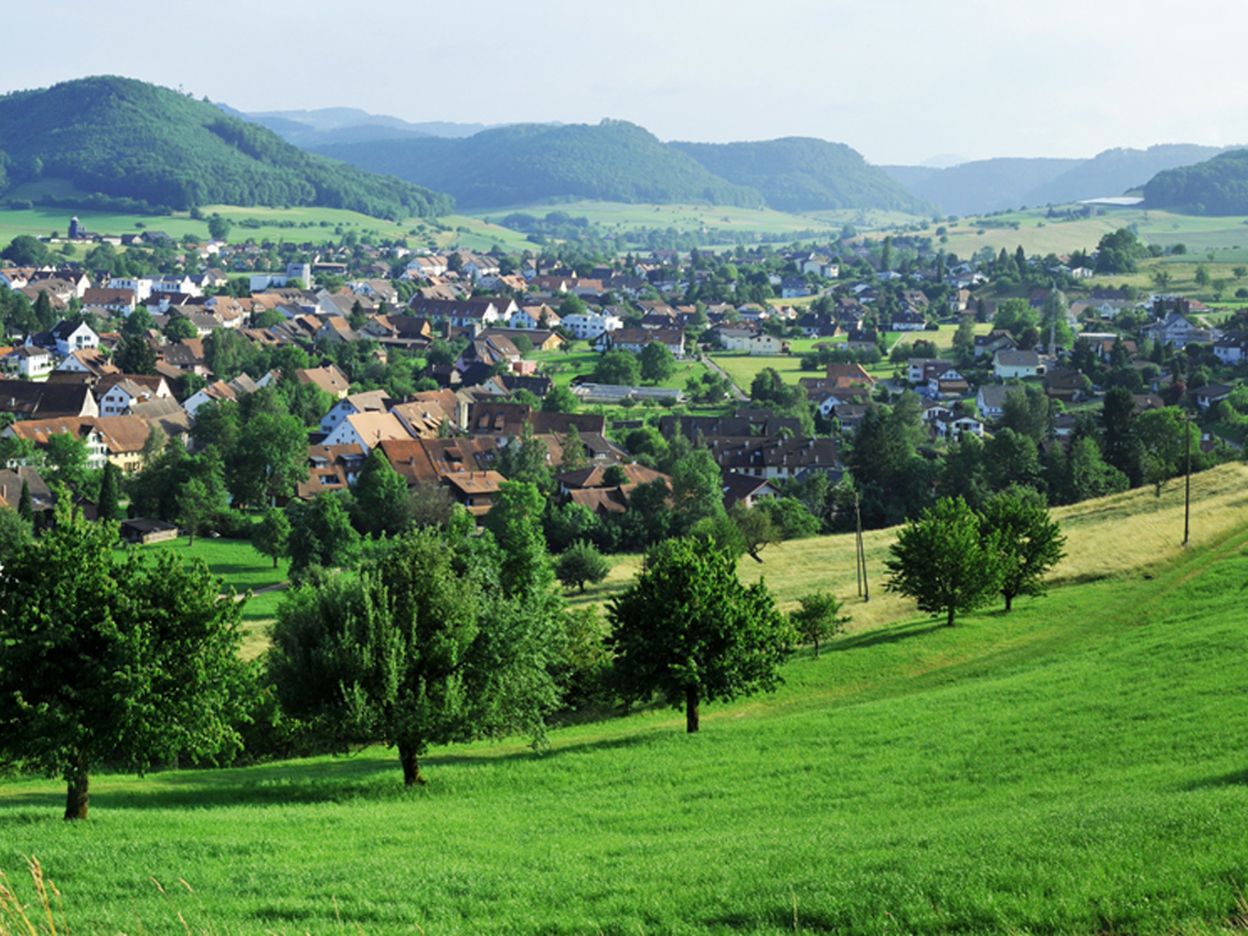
[565, 366]
[618, 216]
[243, 569]
[1075, 767]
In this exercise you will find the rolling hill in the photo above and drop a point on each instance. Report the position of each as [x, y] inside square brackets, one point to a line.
[805, 174]
[1217, 186]
[1045, 771]
[328, 125]
[117, 141]
[526, 163]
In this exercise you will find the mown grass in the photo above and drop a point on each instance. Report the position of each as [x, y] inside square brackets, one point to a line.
[1076, 766]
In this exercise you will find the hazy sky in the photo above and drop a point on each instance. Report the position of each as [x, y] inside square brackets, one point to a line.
[899, 80]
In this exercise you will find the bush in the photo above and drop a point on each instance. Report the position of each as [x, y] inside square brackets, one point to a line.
[580, 563]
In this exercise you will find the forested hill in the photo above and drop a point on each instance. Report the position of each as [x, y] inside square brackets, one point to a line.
[525, 163]
[805, 174]
[1217, 186]
[114, 139]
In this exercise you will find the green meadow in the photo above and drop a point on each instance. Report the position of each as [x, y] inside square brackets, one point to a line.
[1077, 766]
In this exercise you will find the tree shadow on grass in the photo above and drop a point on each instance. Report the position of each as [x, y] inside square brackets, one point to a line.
[1234, 778]
[371, 775]
[884, 635]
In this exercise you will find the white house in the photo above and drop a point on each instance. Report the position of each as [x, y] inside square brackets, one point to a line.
[117, 399]
[372, 401]
[590, 325]
[31, 362]
[140, 286]
[1016, 365]
[1230, 349]
[750, 342]
[71, 337]
[177, 284]
[990, 401]
[367, 430]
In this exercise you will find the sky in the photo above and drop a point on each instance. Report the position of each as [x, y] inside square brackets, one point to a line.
[901, 81]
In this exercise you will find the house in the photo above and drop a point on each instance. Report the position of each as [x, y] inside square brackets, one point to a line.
[1064, 383]
[28, 400]
[90, 362]
[535, 317]
[328, 379]
[1231, 349]
[367, 430]
[464, 313]
[428, 412]
[862, 339]
[1211, 394]
[590, 325]
[955, 428]
[142, 531]
[12, 480]
[68, 336]
[108, 301]
[988, 345]
[990, 400]
[1175, 330]
[165, 414]
[1017, 365]
[372, 401]
[774, 457]
[602, 475]
[119, 392]
[116, 439]
[330, 468]
[475, 490]
[29, 361]
[634, 339]
[750, 341]
[745, 490]
[908, 320]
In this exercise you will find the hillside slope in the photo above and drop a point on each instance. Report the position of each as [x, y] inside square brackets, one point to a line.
[125, 139]
[525, 163]
[1116, 171]
[983, 185]
[1218, 186]
[805, 174]
[1076, 766]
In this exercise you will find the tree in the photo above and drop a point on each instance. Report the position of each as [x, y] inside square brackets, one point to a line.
[942, 561]
[688, 629]
[559, 400]
[195, 506]
[580, 563]
[67, 457]
[25, 506]
[964, 342]
[697, 488]
[271, 535]
[516, 522]
[574, 456]
[756, 528]
[26, 251]
[381, 499]
[1029, 541]
[1090, 475]
[1121, 444]
[418, 651]
[321, 533]
[108, 505]
[657, 363]
[818, 617]
[219, 227]
[95, 669]
[1161, 433]
[179, 327]
[1011, 458]
[15, 534]
[618, 367]
[270, 459]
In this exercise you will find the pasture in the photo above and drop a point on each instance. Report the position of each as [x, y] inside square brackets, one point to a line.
[1075, 766]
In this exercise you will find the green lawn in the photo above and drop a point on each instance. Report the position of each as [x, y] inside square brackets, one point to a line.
[1077, 766]
[565, 366]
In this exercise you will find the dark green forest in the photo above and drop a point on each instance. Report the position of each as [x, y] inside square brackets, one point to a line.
[805, 174]
[1217, 186]
[610, 161]
[141, 145]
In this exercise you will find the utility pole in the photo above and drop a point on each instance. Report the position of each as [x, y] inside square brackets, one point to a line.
[861, 550]
[1187, 482]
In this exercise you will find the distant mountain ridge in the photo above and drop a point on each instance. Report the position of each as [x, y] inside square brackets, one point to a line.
[1000, 184]
[121, 141]
[524, 163]
[326, 126]
[805, 174]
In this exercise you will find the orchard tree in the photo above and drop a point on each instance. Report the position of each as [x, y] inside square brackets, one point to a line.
[94, 669]
[271, 536]
[321, 533]
[421, 650]
[580, 563]
[942, 561]
[689, 630]
[757, 529]
[1029, 542]
[618, 367]
[818, 617]
[657, 363]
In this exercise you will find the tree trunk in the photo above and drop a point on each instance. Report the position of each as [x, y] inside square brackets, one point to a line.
[275, 562]
[949, 617]
[77, 797]
[691, 709]
[816, 647]
[1009, 601]
[191, 539]
[411, 765]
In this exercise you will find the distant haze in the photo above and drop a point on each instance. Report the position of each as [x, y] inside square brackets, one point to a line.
[899, 80]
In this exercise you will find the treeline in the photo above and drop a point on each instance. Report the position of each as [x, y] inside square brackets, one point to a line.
[191, 154]
[1218, 186]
